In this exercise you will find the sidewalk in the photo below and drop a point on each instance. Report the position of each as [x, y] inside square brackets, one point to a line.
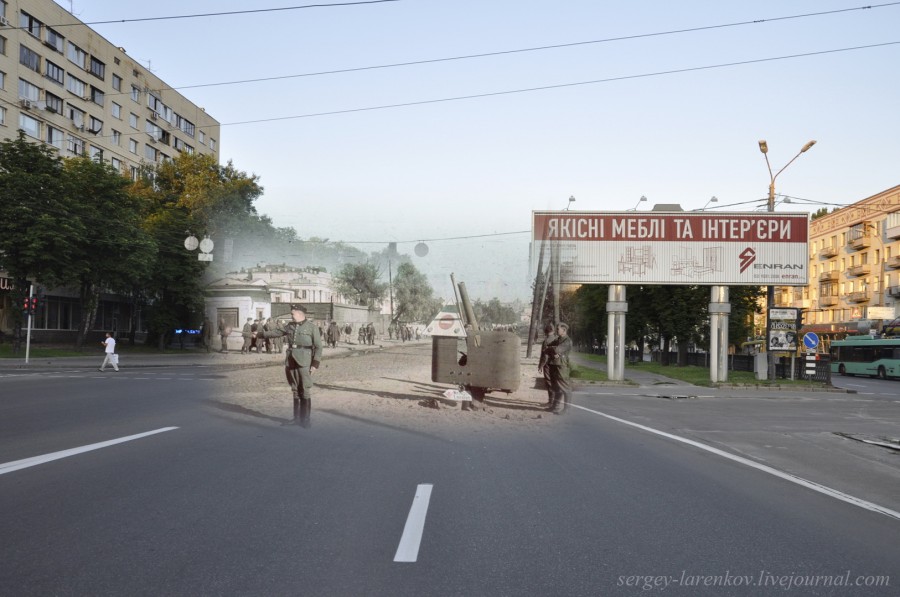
[188, 358]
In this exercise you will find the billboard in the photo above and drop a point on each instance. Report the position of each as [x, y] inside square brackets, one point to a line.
[783, 327]
[695, 248]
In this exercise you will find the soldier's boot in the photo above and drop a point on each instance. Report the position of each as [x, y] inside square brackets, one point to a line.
[305, 412]
[558, 406]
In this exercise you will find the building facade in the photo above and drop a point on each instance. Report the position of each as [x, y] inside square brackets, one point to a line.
[66, 86]
[854, 267]
[69, 88]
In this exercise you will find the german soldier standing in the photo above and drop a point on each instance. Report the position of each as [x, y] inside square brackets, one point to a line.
[304, 350]
[544, 362]
[558, 363]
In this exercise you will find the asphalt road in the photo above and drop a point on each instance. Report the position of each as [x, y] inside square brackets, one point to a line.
[228, 503]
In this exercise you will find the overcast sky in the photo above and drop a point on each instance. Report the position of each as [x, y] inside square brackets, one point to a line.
[479, 166]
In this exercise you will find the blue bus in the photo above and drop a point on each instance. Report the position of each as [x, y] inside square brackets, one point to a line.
[865, 355]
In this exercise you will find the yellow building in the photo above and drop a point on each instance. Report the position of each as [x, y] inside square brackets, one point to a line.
[854, 268]
[68, 87]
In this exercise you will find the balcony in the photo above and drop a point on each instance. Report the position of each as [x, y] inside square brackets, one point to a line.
[893, 231]
[893, 262]
[828, 252]
[894, 291]
[861, 296]
[828, 301]
[831, 276]
[863, 242]
[859, 270]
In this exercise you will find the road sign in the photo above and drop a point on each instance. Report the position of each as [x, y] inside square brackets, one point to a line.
[811, 340]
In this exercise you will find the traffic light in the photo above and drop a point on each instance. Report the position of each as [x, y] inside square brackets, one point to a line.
[34, 304]
[26, 305]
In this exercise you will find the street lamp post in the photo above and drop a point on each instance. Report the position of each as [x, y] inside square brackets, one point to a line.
[638, 204]
[770, 290]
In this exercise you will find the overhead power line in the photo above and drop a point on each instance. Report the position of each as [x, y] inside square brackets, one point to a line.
[221, 14]
[535, 48]
[562, 85]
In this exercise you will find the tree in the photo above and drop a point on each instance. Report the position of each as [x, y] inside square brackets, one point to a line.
[413, 296]
[36, 227]
[360, 281]
[113, 251]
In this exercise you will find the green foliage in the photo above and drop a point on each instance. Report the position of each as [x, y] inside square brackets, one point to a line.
[37, 229]
[494, 312]
[413, 295]
[360, 283]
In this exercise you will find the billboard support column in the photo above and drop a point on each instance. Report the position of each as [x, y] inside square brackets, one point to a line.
[719, 310]
[617, 307]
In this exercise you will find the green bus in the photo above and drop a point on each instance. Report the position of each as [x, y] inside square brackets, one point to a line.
[864, 355]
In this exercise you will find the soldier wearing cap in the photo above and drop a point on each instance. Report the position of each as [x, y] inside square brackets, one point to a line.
[302, 360]
[558, 363]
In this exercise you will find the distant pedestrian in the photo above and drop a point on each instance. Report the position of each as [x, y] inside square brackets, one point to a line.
[224, 331]
[207, 334]
[111, 357]
[247, 335]
[333, 334]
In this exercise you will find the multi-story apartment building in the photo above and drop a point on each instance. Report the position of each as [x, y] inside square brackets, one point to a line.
[66, 86]
[854, 267]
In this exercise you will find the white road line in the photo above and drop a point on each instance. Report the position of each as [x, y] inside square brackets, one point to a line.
[408, 550]
[36, 460]
[839, 495]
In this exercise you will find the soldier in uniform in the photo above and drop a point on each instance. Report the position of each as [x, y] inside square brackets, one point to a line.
[370, 333]
[544, 361]
[558, 362]
[304, 351]
[223, 334]
[333, 334]
[247, 335]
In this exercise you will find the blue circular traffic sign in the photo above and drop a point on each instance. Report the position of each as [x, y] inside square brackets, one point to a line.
[810, 340]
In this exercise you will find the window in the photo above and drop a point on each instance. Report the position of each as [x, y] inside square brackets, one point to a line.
[76, 55]
[135, 93]
[116, 110]
[29, 58]
[133, 146]
[212, 143]
[202, 138]
[54, 104]
[30, 24]
[55, 40]
[29, 91]
[54, 73]
[96, 125]
[55, 137]
[116, 163]
[186, 126]
[97, 96]
[98, 69]
[117, 82]
[150, 152]
[133, 120]
[3, 116]
[135, 173]
[75, 115]
[75, 85]
[116, 137]
[31, 126]
[75, 145]
[2, 80]
[2, 45]
[96, 153]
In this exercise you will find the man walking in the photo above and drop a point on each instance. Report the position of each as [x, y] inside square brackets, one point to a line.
[304, 351]
[111, 357]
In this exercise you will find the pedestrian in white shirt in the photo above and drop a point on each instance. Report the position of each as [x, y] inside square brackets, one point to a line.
[111, 357]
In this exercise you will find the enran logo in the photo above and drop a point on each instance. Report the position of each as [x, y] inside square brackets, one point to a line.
[748, 256]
